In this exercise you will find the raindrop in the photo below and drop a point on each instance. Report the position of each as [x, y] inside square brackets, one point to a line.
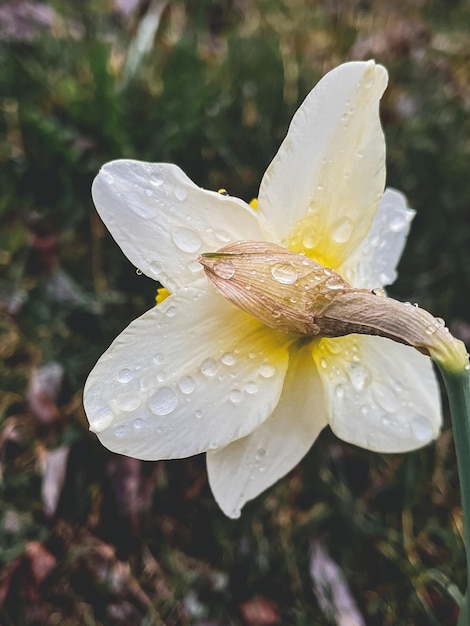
[440, 321]
[235, 396]
[156, 181]
[121, 431]
[138, 272]
[186, 385]
[161, 376]
[194, 266]
[171, 311]
[378, 292]
[186, 240]
[198, 414]
[222, 236]
[213, 445]
[138, 423]
[285, 273]
[359, 376]
[149, 193]
[180, 194]
[431, 329]
[421, 428]
[102, 416]
[251, 387]
[235, 513]
[324, 363]
[125, 375]
[342, 230]
[156, 268]
[339, 391]
[224, 268]
[163, 402]
[398, 223]
[228, 359]
[158, 358]
[209, 367]
[127, 403]
[266, 370]
[260, 454]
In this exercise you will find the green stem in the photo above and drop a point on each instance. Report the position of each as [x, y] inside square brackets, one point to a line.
[458, 391]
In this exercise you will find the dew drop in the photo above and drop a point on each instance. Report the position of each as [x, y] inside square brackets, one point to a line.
[342, 230]
[156, 181]
[228, 359]
[260, 454]
[213, 445]
[266, 370]
[101, 415]
[186, 240]
[209, 367]
[421, 428]
[158, 358]
[224, 268]
[161, 376]
[235, 396]
[171, 311]
[324, 363]
[398, 223]
[180, 194]
[127, 403]
[138, 423]
[339, 391]
[198, 414]
[377, 291]
[125, 375]
[156, 268]
[163, 402]
[138, 272]
[121, 431]
[235, 513]
[285, 273]
[222, 236]
[186, 385]
[251, 387]
[194, 266]
[359, 376]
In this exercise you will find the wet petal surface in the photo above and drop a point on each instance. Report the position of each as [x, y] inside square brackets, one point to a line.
[323, 187]
[162, 220]
[245, 468]
[181, 379]
[381, 395]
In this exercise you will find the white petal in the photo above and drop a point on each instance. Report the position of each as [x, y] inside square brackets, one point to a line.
[382, 395]
[323, 188]
[162, 220]
[374, 262]
[245, 468]
[174, 383]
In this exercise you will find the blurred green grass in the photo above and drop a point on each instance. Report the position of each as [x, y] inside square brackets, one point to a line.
[144, 543]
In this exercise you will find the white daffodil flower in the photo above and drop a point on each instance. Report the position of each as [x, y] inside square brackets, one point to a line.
[197, 374]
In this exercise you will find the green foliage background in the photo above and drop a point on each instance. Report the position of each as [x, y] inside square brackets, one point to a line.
[214, 94]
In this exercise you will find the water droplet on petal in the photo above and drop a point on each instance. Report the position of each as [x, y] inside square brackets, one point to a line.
[138, 272]
[156, 268]
[398, 223]
[209, 367]
[171, 311]
[186, 384]
[138, 423]
[180, 194]
[156, 181]
[359, 376]
[158, 358]
[164, 401]
[128, 402]
[213, 445]
[186, 240]
[377, 291]
[149, 193]
[421, 428]
[260, 454]
[224, 268]
[285, 273]
[194, 266]
[235, 513]
[228, 359]
[122, 431]
[235, 396]
[342, 230]
[339, 391]
[222, 236]
[125, 375]
[198, 414]
[251, 387]
[100, 415]
[266, 370]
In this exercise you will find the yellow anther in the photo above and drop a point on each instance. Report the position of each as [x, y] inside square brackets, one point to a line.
[162, 294]
[254, 203]
[223, 192]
